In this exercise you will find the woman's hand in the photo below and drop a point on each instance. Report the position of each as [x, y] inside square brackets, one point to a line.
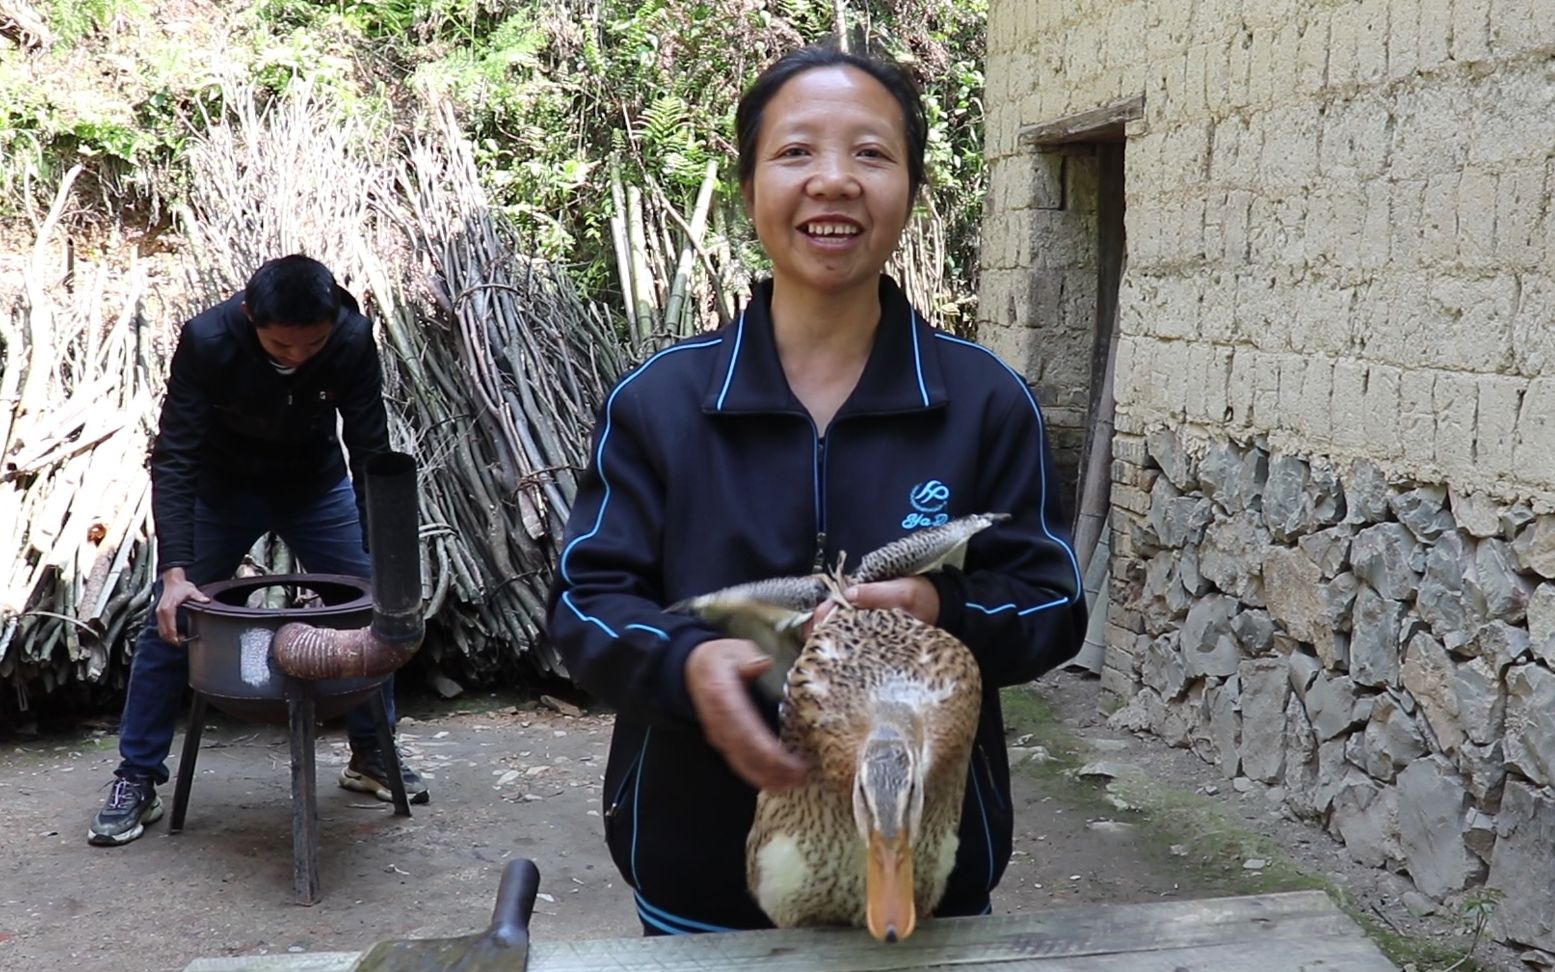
[717, 675]
[176, 589]
[915, 595]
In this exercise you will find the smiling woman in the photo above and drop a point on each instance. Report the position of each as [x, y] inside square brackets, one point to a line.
[830, 417]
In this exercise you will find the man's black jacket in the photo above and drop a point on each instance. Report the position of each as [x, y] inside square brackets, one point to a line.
[232, 422]
[706, 471]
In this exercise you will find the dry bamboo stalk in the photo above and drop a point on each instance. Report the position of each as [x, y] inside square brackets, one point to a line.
[683, 268]
[637, 248]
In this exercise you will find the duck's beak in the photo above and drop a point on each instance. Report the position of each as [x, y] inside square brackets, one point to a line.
[889, 888]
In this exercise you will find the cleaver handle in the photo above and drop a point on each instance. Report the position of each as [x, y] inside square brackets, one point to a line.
[515, 903]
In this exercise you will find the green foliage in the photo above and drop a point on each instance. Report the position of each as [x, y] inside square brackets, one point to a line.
[71, 20]
[554, 94]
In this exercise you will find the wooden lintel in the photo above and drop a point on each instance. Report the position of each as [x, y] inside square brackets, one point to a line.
[1104, 124]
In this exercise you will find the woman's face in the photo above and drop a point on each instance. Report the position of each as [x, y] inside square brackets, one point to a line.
[830, 192]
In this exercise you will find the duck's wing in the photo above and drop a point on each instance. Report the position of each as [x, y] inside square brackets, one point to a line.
[772, 613]
[926, 550]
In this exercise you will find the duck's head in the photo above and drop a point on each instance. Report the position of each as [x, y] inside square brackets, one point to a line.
[888, 809]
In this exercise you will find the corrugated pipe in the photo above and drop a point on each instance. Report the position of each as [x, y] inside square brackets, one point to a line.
[304, 651]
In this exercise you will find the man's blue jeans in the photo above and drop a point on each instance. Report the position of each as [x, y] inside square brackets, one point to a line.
[326, 537]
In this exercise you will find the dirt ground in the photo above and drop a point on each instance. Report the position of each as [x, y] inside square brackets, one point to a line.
[511, 776]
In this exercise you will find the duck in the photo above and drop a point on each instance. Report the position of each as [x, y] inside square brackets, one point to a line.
[773, 612]
[884, 709]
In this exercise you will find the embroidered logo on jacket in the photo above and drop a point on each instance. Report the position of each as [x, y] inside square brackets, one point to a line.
[928, 500]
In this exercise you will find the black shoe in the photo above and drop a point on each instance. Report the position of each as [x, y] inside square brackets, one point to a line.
[366, 773]
[132, 803]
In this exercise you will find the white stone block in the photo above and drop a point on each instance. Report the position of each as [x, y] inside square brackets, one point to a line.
[1430, 123]
[1371, 41]
[1534, 452]
[1125, 374]
[1407, 205]
[1264, 63]
[1349, 404]
[1476, 217]
[1195, 73]
[1517, 26]
[1533, 327]
[1346, 213]
[1217, 309]
[1289, 157]
[1495, 426]
[1471, 30]
[1520, 215]
[1376, 225]
[1233, 228]
[1323, 311]
[1293, 372]
[1456, 398]
[1403, 39]
[1316, 413]
[1241, 384]
[1238, 65]
[1343, 26]
[1356, 139]
[1380, 416]
[1439, 216]
[1417, 416]
[1514, 118]
[1470, 323]
[1314, 47]
[1435, 36]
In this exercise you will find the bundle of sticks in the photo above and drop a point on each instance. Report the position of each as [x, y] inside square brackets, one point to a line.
[494, 370]
[77, 401]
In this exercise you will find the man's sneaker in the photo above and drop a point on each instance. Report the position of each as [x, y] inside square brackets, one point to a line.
[132, 803]
[366, 773]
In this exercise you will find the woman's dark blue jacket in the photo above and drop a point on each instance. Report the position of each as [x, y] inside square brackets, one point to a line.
[706, 471]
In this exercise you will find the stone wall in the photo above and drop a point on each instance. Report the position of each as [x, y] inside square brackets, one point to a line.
[1377, 654]
[1334, 480]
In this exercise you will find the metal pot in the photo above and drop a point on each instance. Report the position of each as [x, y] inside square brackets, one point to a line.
[229, 651]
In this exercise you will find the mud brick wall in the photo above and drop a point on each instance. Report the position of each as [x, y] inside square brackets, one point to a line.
[1334, 484]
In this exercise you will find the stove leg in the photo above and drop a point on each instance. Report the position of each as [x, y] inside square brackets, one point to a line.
[186, 762]
[305, 812]
[391, 755]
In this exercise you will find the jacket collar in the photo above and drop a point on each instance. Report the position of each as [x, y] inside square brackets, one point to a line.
[902, 374]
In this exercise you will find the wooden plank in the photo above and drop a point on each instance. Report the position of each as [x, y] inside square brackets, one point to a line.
[1020, 939]
[1293, 932]
[1104, 124]
[1345, 955]
[305, 962]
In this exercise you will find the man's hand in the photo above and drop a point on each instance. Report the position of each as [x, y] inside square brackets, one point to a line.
[176, 589]
[717, 673]
[915, 595]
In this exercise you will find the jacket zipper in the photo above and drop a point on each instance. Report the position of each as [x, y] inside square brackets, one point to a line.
[819, 564]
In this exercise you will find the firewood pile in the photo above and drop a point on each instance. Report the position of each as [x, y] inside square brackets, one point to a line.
[494, 371]
[76, 405]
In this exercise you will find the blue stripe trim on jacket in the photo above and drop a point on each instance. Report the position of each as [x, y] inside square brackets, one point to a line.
[977, 791]
[664, 921]
[734, 359]
[1020, 613]
[917, 359]
[599, 465]
[1079, 584]
[637, 791]
[650, 629]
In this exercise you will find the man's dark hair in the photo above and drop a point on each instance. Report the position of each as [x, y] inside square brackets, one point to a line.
[292, 290]
[894, 77]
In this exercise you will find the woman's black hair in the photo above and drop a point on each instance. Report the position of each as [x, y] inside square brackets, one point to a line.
[292, 290]
[890, 74]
